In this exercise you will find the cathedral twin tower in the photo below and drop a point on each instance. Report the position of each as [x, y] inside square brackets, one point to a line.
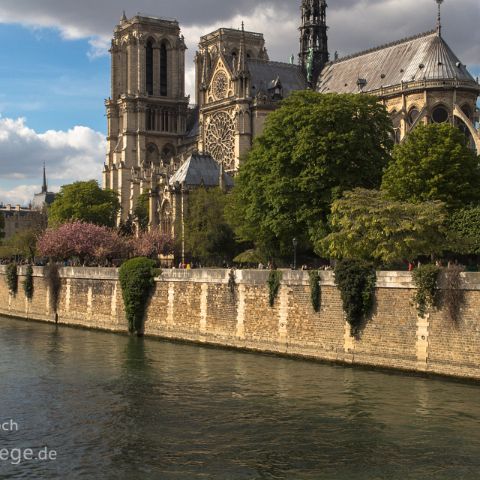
[150, 125]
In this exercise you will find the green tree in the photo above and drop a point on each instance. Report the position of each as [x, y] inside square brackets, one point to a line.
[141, 211]
[86, 202]
[365, 225]
[312, 149]
[434, 164]
[464, 227]
[24, 243]
[208, 237]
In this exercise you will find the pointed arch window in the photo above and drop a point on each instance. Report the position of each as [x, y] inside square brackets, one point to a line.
[163, 70]
[149, 68]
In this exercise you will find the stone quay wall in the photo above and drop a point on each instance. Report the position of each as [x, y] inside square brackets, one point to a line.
[199, 306]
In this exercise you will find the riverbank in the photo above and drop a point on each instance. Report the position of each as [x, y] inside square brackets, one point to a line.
[206, 307]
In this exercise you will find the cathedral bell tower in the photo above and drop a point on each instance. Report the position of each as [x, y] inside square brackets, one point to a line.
[147, 109]
[313, 39]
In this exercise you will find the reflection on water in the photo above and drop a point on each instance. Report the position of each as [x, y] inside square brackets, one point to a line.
[128, 408]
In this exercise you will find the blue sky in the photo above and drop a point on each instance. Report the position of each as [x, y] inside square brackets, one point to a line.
[50, 81]
[55, 69]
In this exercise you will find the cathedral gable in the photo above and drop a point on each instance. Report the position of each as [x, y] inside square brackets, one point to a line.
[221, 82]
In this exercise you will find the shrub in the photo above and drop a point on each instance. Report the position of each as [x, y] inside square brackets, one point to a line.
[315, 292]
[356, 280]
[28, 283]
[137, 279]
[273, 282]
[425, 278]
[54, 283]
[12, 278]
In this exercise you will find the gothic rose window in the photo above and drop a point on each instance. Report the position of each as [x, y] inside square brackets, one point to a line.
[220, 139]
[220, 86]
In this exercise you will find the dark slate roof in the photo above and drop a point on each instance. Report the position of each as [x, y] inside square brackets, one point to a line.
[200, 169]
[264, 75]
[423, 57]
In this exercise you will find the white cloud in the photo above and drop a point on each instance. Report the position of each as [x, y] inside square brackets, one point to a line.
[76, 154]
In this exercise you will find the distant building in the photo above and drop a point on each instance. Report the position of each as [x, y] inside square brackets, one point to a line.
[19, 218]
[44, 198]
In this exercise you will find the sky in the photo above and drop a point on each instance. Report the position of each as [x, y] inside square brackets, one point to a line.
[55, 68]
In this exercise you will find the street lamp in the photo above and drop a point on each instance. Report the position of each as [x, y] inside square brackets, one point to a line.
[295, 243]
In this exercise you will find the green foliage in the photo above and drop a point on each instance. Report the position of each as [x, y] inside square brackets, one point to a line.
[273, 282]
[137, 280]
[28, 283]
[425, 278]
[54, 284]
[85, 202]
[452, 292]
[24, 243]
[356, 280]
[141, 212]
[12, 278]
[315, 293]
[434, 164]
[208, 237]
[464, 227]
[313, 148]
[366, 225]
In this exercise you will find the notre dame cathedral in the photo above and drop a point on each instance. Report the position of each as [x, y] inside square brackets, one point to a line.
[160, 145]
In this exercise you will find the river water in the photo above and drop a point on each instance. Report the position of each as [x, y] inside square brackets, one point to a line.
[98, 405]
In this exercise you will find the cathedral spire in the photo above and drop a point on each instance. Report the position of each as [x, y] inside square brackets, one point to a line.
[242, 63]
[124, 17]
[44, 185]
[313, 39]
[439, 17]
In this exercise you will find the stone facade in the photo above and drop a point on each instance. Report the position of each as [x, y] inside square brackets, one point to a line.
[200, 306]
[147, 110]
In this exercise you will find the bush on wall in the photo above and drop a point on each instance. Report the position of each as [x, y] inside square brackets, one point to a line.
[28, 283]
[315, 293]
[136, 279]
[12, 278]
[356, 280]
[425, 278]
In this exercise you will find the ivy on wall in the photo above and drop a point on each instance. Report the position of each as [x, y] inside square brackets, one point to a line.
[453, 294]
[425, 278]
[137, 280]
[356, 280]
[28, 283]
[273, 282]
[315, 292]
[54, 284]
[12, 278]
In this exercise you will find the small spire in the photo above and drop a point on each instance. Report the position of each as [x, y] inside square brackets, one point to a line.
[439, 17]
[241, 68]
[124, 17]
[44, 186]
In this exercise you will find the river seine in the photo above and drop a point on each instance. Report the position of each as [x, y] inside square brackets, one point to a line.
[83, 404]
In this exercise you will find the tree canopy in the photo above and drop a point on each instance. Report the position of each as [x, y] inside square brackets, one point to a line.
[312, 149]
[464, 226]
[367, 226]
[141, 211]
[84, 202]
[434, 164]
[208, 237]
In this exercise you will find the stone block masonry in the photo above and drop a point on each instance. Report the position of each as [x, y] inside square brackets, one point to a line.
[200, 306]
